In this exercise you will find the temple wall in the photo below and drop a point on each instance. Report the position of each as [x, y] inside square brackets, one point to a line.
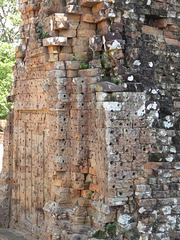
[92, 145]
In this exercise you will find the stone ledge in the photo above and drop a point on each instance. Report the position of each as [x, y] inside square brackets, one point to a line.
[108, 87]
[55, 41]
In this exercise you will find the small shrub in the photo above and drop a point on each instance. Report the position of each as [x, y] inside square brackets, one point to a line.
[111, 228]
[39, 30]
[74, 58]
[83, 65]
[99, 235]
[108, 233]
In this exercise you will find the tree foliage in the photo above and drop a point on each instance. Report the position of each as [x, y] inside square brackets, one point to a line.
[7, 61]
[9, 20]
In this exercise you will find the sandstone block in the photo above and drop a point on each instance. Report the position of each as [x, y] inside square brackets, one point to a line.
[73, 9]
[88, 18]
[89, 3]
[84, 202]
[55, 41]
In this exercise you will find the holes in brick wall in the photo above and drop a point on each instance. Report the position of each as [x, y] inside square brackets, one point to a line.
[150, 20]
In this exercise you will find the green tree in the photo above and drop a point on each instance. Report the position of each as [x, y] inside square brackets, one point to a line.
[9, 21]
[9, 35]
[7, 61]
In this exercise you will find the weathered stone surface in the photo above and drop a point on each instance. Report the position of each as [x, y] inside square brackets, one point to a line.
[108, 87]
[6, 234]
[55, 41]
[92, 144]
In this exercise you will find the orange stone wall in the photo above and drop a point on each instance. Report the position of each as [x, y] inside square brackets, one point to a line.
[92, 142]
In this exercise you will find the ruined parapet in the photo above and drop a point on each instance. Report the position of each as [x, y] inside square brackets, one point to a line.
[96, 122]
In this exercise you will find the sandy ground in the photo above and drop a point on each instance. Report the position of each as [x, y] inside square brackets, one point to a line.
[1, 154]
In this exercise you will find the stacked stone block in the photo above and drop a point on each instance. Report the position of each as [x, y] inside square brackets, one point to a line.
[96, 125]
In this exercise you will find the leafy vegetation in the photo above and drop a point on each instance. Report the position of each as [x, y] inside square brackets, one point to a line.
[9, 21]
[7, 61]
[9, 35]
[74, 58]
[108, 233]
[83, 65]
[83, 62]
[39, 30]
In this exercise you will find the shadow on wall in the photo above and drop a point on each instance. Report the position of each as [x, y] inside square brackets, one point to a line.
[1, 155]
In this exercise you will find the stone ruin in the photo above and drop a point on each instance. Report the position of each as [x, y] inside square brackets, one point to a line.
[92, 144]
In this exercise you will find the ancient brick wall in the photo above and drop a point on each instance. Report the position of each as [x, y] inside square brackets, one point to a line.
[92, 147]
